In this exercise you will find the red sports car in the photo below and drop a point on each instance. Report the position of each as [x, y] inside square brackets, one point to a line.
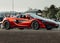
[30, 20]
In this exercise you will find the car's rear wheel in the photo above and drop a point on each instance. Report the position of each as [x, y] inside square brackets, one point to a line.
[6, 25]
[48, 27]
[35, 25]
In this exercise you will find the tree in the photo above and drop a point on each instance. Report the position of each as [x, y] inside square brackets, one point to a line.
[58, 15]
[45, 12]
[52, 11]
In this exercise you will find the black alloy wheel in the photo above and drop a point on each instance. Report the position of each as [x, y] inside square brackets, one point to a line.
[6, 25]
[35, 25]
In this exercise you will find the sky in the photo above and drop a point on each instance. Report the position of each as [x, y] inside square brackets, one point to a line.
[23, 5]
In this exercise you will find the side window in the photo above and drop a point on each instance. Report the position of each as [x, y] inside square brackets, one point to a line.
[18, 16]
[21, 16]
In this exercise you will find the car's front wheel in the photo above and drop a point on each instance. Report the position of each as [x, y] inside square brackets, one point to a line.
[35, 25]
[6, 25]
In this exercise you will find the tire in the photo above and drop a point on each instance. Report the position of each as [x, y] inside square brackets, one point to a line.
[48, 27]
[6, 25]
[35, 25]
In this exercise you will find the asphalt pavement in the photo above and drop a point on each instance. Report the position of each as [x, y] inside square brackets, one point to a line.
[29, 36]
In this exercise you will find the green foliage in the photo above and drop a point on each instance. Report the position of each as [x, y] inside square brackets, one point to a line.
[51, 12]
[58, 14]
